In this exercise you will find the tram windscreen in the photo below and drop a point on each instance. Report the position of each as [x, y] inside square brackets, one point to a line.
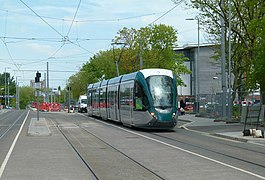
[161, 89]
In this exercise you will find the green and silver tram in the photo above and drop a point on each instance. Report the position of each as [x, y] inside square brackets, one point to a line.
[144, 99]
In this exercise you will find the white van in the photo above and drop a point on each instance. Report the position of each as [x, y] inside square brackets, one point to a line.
[82, 103]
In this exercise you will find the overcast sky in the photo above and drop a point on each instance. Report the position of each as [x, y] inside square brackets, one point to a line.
[34, 32]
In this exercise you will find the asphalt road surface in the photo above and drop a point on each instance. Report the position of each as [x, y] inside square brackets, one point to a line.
[81, 147]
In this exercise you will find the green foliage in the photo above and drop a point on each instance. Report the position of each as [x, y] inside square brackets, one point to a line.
[154, 43]
[99, 67]
[247, 25]
[258, 28]
[26, 96]
[12, 86]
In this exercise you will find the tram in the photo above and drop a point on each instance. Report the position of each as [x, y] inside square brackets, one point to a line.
[145, 99]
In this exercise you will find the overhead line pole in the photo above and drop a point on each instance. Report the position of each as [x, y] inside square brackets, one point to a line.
[223, 63]
[5, 87]
[230, 110]
[17, 95]
[48, 94]
[196, 69]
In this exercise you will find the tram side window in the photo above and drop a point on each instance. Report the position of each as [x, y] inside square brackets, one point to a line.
[141, 101]
[89, 100]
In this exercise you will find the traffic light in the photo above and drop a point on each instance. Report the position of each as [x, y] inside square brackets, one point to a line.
[37, 78]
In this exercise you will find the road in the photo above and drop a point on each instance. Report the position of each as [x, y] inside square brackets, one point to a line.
[10, 123]
[98, 149]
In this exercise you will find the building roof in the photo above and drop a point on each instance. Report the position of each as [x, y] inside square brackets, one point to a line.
[194, 45]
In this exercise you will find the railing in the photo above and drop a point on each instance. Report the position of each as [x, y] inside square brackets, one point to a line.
[211, 104]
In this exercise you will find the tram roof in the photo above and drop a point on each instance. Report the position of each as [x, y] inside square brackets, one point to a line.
[90, 86]
[152, 72]
[115, 80]
[104, 82]
[130, 76]
[96, 84]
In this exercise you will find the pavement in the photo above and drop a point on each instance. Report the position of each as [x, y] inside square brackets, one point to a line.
[218, 128]
[38, 127]
[3, 111]
[40, 152]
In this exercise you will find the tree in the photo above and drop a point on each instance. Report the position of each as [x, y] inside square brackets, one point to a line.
[100, 66]
[259, 63]
[26, 96]
[154, 43]
[247, 33]
[4, 81]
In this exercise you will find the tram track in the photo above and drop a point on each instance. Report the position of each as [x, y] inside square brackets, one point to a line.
[56, 124]
[254, 150]
[6, 126]
[208, 149]
[113, 147]
[100, 148]
[213, 150]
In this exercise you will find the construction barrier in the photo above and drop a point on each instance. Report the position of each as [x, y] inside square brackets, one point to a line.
[47, 107]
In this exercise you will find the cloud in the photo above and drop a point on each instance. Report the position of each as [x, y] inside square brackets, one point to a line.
[39, 48]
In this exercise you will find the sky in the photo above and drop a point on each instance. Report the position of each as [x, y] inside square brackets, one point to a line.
[66, 33]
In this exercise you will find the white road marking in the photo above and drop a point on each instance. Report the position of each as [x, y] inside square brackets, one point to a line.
[187, 151]
[12, 147]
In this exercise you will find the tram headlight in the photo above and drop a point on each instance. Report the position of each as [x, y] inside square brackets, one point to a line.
[153, 115]
[174, 115]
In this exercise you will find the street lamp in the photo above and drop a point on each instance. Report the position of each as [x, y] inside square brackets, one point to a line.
[213, 98]
[213, 84]
[196, 67]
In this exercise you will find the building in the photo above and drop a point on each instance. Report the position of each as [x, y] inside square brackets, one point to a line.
[208, 71]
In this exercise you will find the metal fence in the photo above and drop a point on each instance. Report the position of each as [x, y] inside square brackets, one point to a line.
[210, 105]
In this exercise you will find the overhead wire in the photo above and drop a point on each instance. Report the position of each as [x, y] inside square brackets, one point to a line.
[33, 70]
[55, 40]
[7, 49]
[78, 45]
[177, 4]
[48, 25]
[74, 17]
[88, 20]
[41, 18]
[22, 39]
[6, 23]
[66, 39]
[9, 54]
